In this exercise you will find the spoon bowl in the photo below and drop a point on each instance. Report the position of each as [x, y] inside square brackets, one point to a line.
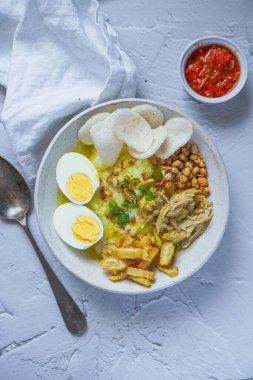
[15, 196]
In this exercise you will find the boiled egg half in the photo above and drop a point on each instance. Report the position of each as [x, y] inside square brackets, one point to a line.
[77, 177]
[77, 225]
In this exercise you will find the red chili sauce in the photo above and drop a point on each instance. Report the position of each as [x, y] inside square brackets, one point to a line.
[212, 71]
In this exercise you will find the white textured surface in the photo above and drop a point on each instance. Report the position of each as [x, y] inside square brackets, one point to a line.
[202, 329]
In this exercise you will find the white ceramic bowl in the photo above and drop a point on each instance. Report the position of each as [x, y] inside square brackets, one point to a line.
[209, 41]
[189, 261]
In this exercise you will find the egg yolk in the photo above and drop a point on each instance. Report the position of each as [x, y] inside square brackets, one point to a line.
[86, 229]
[79, 187]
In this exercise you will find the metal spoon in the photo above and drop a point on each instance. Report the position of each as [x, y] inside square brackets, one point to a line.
[15, 201]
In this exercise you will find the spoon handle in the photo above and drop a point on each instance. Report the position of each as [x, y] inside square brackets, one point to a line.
[71, 314]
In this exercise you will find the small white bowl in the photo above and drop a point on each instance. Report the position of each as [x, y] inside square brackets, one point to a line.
[189, 261]
[210, 41]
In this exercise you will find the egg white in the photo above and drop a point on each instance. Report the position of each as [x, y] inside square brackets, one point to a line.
[72, 163]
[63, 219]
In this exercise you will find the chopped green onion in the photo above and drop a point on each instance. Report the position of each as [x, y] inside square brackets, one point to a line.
[157, 175]
[112, 204]
[119, 214]
[147, 193]
[131, 191]
[129, 205]
[123, 218]
[122, 185]
[130, 179]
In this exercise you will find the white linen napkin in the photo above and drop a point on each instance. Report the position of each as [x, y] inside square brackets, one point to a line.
[56, 58]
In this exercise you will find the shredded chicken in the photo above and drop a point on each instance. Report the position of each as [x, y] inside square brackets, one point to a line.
[184, 218]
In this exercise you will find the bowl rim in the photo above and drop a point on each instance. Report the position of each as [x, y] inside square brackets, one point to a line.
[155, 103]
[223, 42]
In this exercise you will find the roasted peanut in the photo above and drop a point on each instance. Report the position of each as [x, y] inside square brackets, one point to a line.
[180, 185]
[182, 156]
[202, 181]
[195, 170]
[185, 151]
[178, 164]
[188, 184]
[193, 157]
[186, 172]
[206, 191]
[194, 181]
[168, 185]
[202, 171]
[194, 149]
[188, 164]
[183, 178]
